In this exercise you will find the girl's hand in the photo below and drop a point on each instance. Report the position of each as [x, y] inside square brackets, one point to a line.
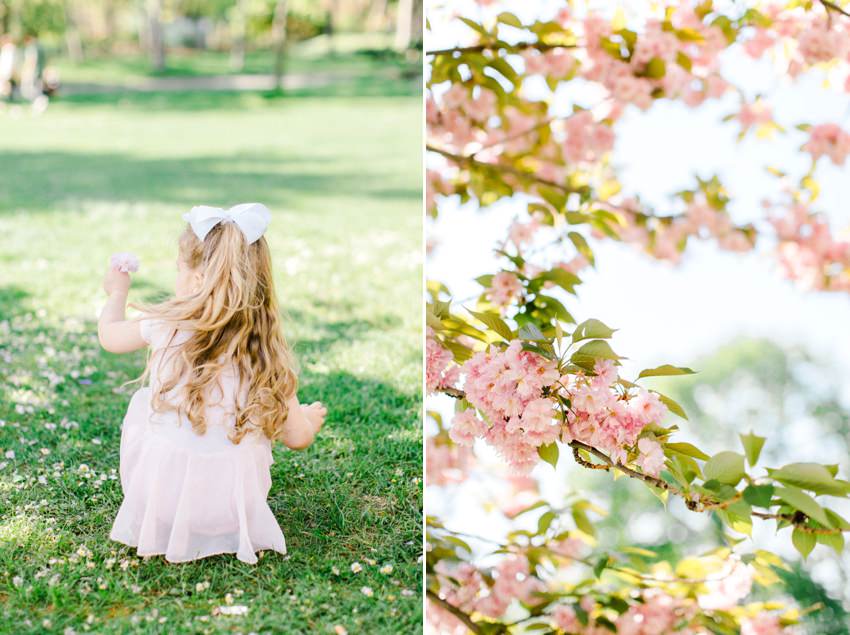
[116, 282]
[315, 414]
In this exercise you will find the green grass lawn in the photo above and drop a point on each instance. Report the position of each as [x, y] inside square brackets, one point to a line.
[89, 178]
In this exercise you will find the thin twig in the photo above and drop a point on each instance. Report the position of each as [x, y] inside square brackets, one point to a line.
[462, 160]
[492, 46]
[831, 6]
[451, 608]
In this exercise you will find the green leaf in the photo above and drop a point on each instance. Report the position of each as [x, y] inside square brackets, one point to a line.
[475, 26]
[798, 499]
[583, 522]
[587, 355]
[510, 19]
[495, 323]
[656, 68]
[803, 541]
[752, 447]
[561, 277]
[810, 476]
[531, 332]
[552, 307]
[458, 542]
[592, 329]
[726, 467]
[665, 371]
[835, 541]
[836, 520]
[672, 406]
[581, 246]
[545, 521]
[486, 280]
[739, 517]
[689, 35]
[601, 565]
[759, 495]
[549, 453]
[687, 449]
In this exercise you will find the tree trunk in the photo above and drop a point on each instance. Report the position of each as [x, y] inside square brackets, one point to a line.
[377, 19]
[155, 40]
[333, 11]
[110, 24]
[404, 24]
[240, 28]
[279, 39]
[73, 41]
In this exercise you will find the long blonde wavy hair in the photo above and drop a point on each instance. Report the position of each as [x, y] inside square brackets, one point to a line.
[233, 318]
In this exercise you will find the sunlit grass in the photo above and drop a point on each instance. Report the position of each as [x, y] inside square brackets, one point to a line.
[342, 176]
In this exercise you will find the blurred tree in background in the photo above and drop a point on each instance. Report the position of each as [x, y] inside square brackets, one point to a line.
[773, 388]
[80, 29]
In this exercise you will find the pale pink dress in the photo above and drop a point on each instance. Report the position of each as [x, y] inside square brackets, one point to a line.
[188, 496]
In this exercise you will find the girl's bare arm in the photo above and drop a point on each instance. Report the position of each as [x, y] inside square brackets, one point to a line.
[116, 334]
[302, 424]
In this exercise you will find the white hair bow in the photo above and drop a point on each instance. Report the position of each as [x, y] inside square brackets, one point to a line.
[251, 218]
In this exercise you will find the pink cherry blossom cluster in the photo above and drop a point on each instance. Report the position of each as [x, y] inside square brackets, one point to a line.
[586, 140]
[665, 238]
[809, 253]
[653, 611]
[556, 63]
[755, 114]
[630, 82]
[565, 617]
[440, 621]
[522, 234]
[763, 624]
[124, 262]
[728, 587]
[438, 370]
[804, 38]
[436, 183]
[829, 140]
[463, 585]
[446, 462]
[458, 114]
[507, 388]
[611, 420]
[504, 289]
[658, 614]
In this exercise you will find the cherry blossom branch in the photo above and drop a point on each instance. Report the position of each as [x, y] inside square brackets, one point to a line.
[694, 502]
[451, 608]
[461, 159]
[831, 6]
[510, 48]
[542, 124]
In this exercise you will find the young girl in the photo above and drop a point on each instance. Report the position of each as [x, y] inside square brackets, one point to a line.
[196, 441]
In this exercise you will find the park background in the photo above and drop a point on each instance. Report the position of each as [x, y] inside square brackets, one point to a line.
[162, 105]
[770, 356]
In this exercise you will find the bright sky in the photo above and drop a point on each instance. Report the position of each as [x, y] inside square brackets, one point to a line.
[672, 314]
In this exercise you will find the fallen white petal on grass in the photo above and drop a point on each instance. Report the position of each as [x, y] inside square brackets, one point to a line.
[233, 609]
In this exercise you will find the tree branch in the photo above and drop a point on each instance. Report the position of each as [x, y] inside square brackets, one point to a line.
[698, 504]
[831, 6]
[509, 48]
[463, 160]
[451, 608]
